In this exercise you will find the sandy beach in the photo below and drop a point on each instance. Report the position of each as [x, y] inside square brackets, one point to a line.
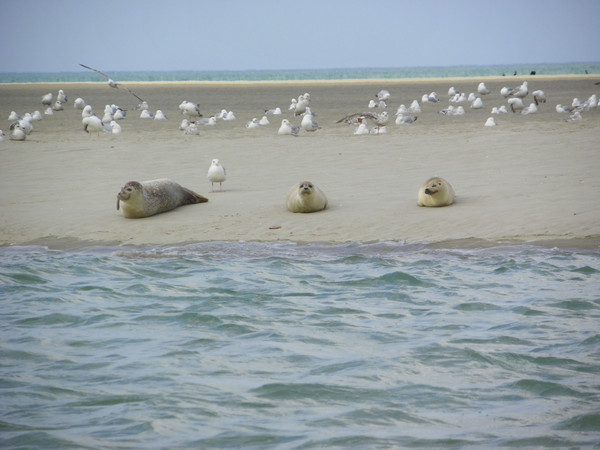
[532, 178]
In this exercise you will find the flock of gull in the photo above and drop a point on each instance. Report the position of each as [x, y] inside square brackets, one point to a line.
[377, 114]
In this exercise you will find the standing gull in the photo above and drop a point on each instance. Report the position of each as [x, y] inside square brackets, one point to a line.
[111, 82]
[216, 174]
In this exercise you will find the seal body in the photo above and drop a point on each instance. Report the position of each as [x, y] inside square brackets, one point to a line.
[305, 197]
[147, 198]
[435, 192]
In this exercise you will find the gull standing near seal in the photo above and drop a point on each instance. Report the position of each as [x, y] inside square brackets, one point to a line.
[152, 197]
[305, 197]
[435, 192]
[216, 174]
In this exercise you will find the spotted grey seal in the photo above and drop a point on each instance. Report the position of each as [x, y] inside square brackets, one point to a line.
[143, 199]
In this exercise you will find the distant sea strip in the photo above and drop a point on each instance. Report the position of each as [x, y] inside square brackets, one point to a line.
[308, 74]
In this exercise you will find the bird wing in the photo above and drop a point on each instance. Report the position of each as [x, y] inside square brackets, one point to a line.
[108, 78]
[352, 116]
[96, 70]
[130, 91]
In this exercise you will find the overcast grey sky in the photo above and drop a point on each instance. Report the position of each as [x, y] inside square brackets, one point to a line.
[138, 35]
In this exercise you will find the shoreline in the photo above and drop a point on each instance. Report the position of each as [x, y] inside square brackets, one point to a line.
[527, 180]
[591, 243]
[349, 81]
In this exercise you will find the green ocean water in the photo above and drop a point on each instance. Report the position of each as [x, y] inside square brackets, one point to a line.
[309, 74]
[277, 345]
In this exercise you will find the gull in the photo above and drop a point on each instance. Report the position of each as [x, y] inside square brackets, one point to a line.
[491, 122]
[519, 91]
[430, 98]
[482, 89]
[94, 124]
[531, 109]
[414, 107]
[230, 116]
[539, 96]
[192, 128]
[184, 124]
[381, 119]
[575, 116]
[252, 124]
[87, 111]
[264, 121]
[25, 124]
[14, 116]
[119, 114]
[36, 115]
[62, 97]
[47, 99]
[516, 104]
[116, 128]
[449, 111]
[160, 115]
[402, 110]
[406, 120]
[16, 132]
[216, 174]
[287, 128]
[562, 109]
[145, 114]
[2, 135]
[210, 121]
[383, 95]
[301, 104]
[111, 82]
[58, 106]
[362, 127]
[477, 103]
[190, 109]
[48, 111]
[108, 116]
[308, 122]
[274, 111]
[79, 103]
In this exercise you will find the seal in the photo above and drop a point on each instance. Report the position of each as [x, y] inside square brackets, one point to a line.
[305, 197]
[152, 197]
[435, 192]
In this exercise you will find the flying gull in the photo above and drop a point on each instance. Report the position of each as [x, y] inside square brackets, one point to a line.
[112, 83]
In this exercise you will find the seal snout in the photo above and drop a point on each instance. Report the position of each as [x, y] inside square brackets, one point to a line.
[429, 191]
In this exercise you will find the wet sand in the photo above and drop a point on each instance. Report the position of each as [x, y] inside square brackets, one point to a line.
[532, 178]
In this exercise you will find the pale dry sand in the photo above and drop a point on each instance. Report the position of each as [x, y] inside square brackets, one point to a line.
[531, 178]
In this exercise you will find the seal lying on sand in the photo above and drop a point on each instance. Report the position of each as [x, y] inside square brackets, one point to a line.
[435, 192]
[305, 197]
[153, 197]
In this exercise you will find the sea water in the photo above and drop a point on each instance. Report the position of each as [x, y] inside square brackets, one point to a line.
[80, 75]
[280, 345]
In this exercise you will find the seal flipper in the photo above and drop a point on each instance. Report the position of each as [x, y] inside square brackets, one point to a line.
[192, 197]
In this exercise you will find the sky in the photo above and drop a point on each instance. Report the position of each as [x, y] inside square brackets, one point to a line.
[146, 35]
